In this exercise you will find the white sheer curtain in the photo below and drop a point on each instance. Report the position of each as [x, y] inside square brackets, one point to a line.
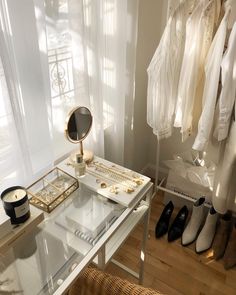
[58, 54]
[25, 149]
[11, 158]
[101, 38]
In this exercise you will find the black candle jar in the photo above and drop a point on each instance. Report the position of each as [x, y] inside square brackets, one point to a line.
[16, 204]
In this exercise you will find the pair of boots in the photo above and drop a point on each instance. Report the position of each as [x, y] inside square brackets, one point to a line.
[177, 227]
[224, 245]
[204, 237]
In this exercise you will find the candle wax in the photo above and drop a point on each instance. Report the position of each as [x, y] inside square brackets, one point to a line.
[14, 196]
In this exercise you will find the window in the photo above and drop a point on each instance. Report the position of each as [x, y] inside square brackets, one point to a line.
[64, 53]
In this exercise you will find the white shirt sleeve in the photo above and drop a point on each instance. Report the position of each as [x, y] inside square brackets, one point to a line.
[163, 73]
[172, 5]
[228, 91]
[212, 75]
[199, 35]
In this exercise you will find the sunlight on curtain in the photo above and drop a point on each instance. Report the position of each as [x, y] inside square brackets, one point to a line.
[11, 163]
[58, 54]
[97, 33]
[81, 52]
[25, 139]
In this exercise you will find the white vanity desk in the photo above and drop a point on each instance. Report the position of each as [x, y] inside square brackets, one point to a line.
[50, 259]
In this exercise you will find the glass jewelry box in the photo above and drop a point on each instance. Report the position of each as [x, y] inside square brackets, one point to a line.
[52, 189]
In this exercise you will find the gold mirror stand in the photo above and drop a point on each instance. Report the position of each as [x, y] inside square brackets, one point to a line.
[81, 133]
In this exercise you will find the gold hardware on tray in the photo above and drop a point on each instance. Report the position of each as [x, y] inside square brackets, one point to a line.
[127, 180]
[52, 189]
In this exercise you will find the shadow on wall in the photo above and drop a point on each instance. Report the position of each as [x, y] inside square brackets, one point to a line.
[152, 16]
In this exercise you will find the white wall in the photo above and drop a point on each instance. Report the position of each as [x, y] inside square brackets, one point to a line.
[149, 33]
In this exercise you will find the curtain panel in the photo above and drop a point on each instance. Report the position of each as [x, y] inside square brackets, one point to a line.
[58, 54]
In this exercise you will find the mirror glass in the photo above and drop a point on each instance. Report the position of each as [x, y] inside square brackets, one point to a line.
[79, 123]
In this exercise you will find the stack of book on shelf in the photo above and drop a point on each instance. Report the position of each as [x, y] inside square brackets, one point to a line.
[89, 221]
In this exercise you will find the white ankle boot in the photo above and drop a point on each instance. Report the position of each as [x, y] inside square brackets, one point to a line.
[192, 229]
[207, 233]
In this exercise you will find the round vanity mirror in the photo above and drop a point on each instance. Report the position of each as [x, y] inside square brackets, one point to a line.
[78, 124]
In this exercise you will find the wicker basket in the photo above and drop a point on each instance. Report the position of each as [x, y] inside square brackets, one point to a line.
[96, 282]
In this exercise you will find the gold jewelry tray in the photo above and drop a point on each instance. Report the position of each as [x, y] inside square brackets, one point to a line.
[52, 189]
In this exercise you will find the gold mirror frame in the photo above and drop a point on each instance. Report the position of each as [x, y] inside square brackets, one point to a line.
[66, 127]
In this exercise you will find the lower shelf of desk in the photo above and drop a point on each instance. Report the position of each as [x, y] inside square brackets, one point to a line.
[36, 216]
[117, 240]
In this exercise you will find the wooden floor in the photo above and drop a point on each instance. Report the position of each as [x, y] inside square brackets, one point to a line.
[171, 268]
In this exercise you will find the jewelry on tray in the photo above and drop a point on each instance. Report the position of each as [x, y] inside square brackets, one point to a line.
[103, 185]
[123, 184]
[114, 189]
[117, 173]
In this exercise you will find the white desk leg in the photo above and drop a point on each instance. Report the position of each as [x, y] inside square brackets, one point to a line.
[101, 258]
[145, 237]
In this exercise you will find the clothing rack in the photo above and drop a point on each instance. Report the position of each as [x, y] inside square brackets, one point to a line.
[159, 186]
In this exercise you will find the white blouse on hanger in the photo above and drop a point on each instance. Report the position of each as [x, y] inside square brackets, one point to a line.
[212, 75]
[172, 5]
[228, 92]
[199, 34]
[163, 72]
